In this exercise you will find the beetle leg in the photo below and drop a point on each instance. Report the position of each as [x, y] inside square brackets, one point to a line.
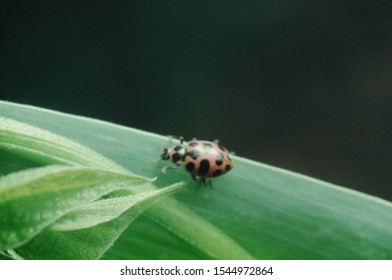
[164, 170]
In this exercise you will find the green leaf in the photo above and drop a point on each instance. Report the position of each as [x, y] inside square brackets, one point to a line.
[34, 145]
[33, 199]
[76, 240]
[37, 147]
[105, 210]
[254, 211]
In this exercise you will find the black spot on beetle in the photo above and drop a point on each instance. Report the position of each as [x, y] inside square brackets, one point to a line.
[204, 167]
[193, 154]
[227, 168]
[193, 144]
[177, 148]
[217, 173]
[176, 157]
[190, 166]
[219, 159]
[207, 148]
[165, 154]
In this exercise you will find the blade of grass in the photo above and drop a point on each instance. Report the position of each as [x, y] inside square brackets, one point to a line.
[33, 199]
[43, 147]
[104, 210]
[269, 212]
[76, 240]
[23, 141]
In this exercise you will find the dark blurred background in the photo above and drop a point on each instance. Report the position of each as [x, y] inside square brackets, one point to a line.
[304, 85]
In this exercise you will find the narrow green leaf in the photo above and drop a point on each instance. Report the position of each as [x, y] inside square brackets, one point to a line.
[73, 240]
[267, 212]
[34, 145]
[16, 132]
[197, 231]
[33, 199]
[104, 210]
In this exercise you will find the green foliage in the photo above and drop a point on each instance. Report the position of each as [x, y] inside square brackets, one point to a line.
[69, 191]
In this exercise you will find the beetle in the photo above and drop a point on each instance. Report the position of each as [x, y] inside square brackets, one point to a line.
[202, 159]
